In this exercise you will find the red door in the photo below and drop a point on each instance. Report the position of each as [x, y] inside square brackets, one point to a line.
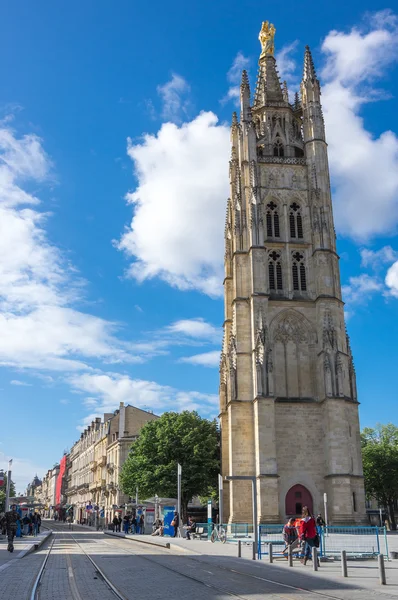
[297, 497]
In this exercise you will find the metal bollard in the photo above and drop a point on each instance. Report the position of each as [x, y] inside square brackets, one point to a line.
[344, 563]
[239, 549]
[382, 569]
[270, 555]
[254, 551]
[315, 558]
[290, 555]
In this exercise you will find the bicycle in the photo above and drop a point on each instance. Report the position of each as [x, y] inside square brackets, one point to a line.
[218, 534]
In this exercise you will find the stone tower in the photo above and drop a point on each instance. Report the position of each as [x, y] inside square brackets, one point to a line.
[288, 400]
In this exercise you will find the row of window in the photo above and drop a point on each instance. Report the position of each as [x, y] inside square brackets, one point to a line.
[275, 277]
[295, 221]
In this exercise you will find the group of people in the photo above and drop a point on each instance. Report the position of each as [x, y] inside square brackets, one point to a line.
[12, 524]
[302, 535]
[131, 524]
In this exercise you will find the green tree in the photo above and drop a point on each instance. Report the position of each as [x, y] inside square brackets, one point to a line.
[380, 465]
[184, 438]
[3, 493]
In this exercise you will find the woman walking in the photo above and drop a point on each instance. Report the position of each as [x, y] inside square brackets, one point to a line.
[308, 534]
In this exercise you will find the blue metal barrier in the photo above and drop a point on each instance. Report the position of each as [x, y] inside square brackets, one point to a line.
[356, 541]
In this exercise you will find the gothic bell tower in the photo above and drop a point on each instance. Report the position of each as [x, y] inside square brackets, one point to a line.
[288, 401]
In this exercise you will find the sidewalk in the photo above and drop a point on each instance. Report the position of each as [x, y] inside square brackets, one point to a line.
[362, 574]
[22, 547]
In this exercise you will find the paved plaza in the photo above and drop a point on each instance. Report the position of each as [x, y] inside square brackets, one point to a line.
[141, 567]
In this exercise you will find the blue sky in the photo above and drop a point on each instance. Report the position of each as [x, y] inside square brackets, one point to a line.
[114, 148]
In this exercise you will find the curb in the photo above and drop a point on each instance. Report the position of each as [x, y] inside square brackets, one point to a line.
[123, 536]
[35, 546]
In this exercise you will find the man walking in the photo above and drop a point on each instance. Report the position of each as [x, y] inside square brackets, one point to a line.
[11, 518]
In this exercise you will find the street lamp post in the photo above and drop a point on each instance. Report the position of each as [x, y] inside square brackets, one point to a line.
[179, 474]
[253, 479]
[156, 507]
[8, 486]
[220, 500]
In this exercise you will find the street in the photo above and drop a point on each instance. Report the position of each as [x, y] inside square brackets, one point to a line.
[137, 570]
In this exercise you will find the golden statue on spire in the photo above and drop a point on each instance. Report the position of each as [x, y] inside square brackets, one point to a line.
[266, 37]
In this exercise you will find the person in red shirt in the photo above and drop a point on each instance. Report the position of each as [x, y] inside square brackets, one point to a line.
[308, 534]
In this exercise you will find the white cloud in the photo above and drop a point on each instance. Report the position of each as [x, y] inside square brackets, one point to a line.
[391, 280]
[377, 258]
[23, 470]
[287, 66]
[179, 205]
[360, 288]
[364, 167]
[174, 95]
[207, 359]
[39, 326]
[64, 401]
[195, 328]
[113, 388]
[234, 76]
[21, 383]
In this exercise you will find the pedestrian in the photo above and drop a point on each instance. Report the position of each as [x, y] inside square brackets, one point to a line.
[38, 523]
[11, 517]
[290, 536]
[119, 523]
[133, 525]
[35, 525]
[191, 527]
[175, 523]
[126, 523]
[25, 525]
[115, 523]
[142, 524]
[319, 521]
[308, 534]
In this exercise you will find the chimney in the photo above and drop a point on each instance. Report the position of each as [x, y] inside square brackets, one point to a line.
[122, 419]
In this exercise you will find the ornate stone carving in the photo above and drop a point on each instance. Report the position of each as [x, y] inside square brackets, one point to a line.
[290, 329]
[328, 375]
[329, 334]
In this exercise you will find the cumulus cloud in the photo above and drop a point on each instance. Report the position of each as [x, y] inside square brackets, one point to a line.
[176, 232]
[378, 258]
[40, 327]
[23, 470]
[364, 167]
[175, 98]
[234, 75]
[391, 280]
[206, 359]
[360, 288]
[20, 383]
[109, 389]
[198, 329]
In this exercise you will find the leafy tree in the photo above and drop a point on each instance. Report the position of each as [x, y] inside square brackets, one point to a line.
[380, 465]
[3, 492]
[184, 438]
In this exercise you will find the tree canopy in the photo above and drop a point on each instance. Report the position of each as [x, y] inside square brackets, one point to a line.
[380, 465]
[184, 438]
[3, 493]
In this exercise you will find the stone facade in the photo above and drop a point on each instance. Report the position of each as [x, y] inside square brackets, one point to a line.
[96, 458]
[288, 401]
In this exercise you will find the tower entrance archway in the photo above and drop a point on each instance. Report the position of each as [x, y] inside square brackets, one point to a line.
[297, 497]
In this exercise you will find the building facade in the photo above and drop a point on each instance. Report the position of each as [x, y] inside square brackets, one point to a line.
[288, 400]
[95, 461]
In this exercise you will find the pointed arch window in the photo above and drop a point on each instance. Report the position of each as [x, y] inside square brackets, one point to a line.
[278, 147]
[272, 219]
[275, 271]
[296, 221]
[299, 274]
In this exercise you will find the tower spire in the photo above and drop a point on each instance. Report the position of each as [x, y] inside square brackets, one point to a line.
[268, 87]
[309, 69]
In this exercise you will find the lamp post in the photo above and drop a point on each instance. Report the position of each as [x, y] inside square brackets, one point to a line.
[253, 479]
[179, 474]
[8, 486]
[156, 507]
[220, 499]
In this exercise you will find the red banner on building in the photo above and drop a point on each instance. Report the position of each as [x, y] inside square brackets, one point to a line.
[58, 485]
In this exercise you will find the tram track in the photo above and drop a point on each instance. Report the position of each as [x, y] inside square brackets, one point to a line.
[73, 586]
[212, 584]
